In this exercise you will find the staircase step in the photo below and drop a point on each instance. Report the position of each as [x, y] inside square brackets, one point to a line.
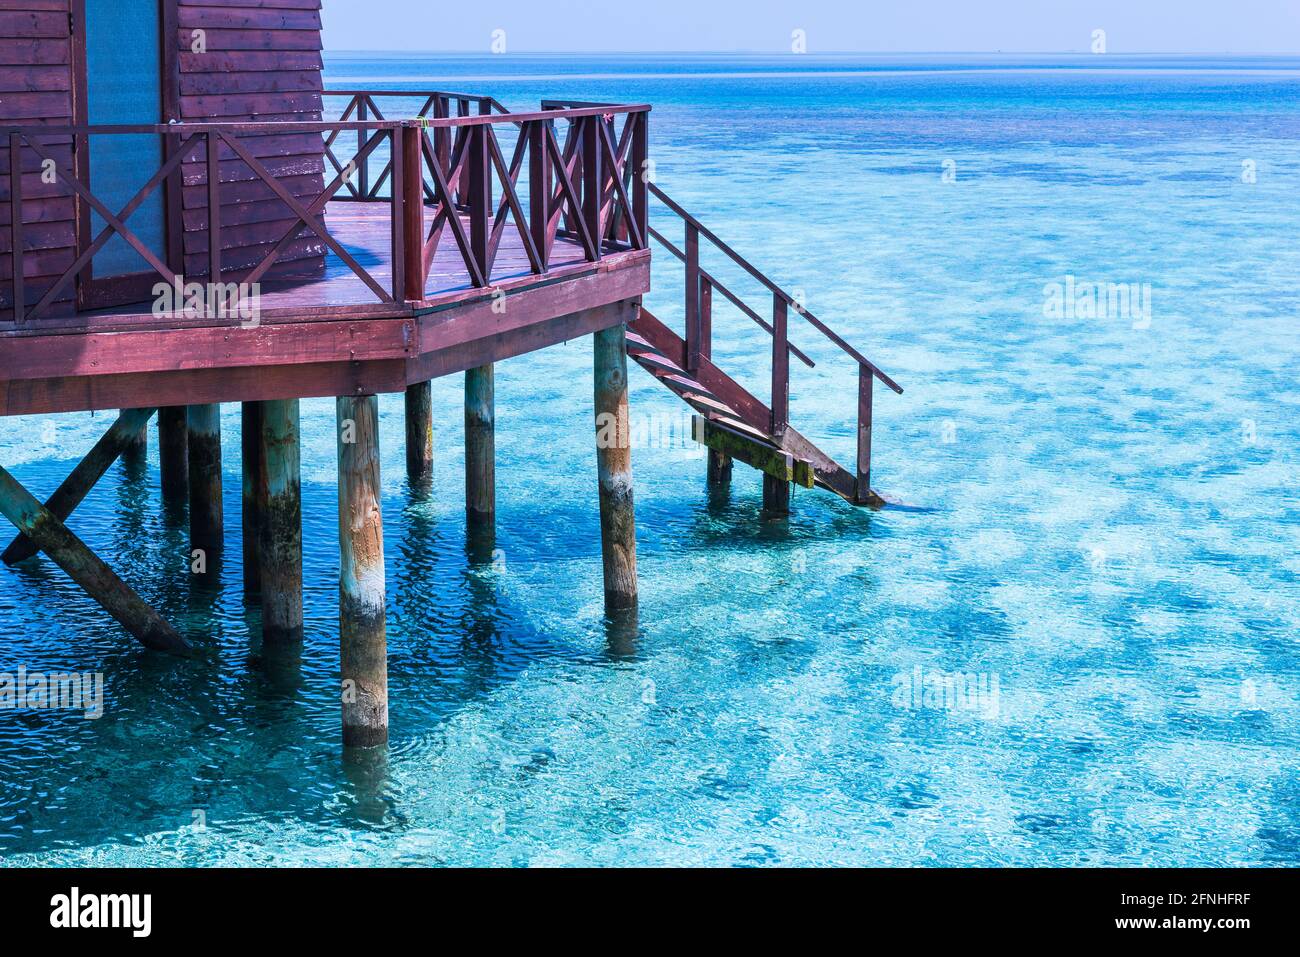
[637, 341]
[736, 425]
[676, 380]
[708, 403]
[656, 360]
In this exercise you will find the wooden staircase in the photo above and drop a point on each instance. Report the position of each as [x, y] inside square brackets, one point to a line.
[730, 419]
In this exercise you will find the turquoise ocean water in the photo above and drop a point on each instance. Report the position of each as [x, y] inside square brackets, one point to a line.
[1104, 539]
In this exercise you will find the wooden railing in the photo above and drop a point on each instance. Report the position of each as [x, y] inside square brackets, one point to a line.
[210, 144]
[583, 189]
[576, 165]
[700, 286]
[584, 183]
[362, 105]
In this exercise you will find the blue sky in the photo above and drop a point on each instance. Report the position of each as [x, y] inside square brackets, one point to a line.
[874, 26]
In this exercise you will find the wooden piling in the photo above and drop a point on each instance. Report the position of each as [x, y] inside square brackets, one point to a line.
[173, 453]
[278, 500]
[136, 454]
[250, 440]
[419, 434]
[480, 452]
[776, 496]
[207, 518]
[86, 568]
[362, 639]
[614, 464]
[84, 477]
[719, 468]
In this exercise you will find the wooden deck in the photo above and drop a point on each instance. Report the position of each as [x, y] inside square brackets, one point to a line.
[441, 256]
[364, 230]
[322, 336]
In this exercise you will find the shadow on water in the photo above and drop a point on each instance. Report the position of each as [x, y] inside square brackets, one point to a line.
[454, 616]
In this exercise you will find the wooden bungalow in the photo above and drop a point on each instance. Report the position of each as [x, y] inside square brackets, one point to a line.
[188, 218]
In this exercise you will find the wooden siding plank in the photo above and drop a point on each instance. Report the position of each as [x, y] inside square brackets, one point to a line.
[34, 51]
[42, 107]
[24, 23]
[249, 104]
[248, 18]
[236, 171]
[17, 78]
[258, 4]
[222, 40]
[249, 191]
[249, 61]
[268, 81]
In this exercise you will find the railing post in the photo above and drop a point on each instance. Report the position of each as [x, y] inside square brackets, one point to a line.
[780, 366]
[592, 180]
[16, 223]
[214, 208]
[865, 381]
[485, 109]
[693, 351]
[706, 318]
[462, 185]
[363, 172]
[410, 168]
[539, 190]
[640, 160]
[616, 219]
[572, 158]
[480, 198]
[442, 135]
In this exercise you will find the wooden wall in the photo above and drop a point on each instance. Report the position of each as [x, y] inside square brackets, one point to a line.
[36, 88]
[262, 62]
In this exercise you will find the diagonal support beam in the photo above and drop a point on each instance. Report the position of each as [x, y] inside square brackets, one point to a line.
[87, 569]
[84, 477]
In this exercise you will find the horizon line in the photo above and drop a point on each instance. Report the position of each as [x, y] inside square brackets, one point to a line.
[899, 53]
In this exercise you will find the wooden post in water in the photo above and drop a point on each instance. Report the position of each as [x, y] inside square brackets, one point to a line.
[614, 465]
[480, 455]
[363, 643]
[278, 499]
[84, 477]
[719, 469]
[136, 455]
[250, 440]
[173, 453]
[419, 434]
[207, 518]
[86, 568]
[776, 496]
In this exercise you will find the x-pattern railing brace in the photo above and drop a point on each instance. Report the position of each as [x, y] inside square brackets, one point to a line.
[115, 224]
[306, 215]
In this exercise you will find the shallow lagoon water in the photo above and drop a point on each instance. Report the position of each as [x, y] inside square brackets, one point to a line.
[1105, 524]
